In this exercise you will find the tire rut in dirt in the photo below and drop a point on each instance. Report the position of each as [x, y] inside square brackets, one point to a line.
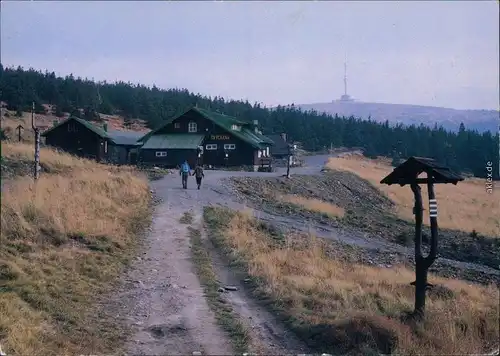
[268, 336]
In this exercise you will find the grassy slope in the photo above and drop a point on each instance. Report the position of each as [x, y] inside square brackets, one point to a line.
[344, 199]
[465, 207]
[63, 243]
[10, 121]
[339, 307]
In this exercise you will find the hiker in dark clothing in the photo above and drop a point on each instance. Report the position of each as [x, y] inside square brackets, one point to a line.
[199, 175]
[185, 172]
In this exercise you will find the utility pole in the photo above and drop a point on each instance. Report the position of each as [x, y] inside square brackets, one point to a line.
[36, 130]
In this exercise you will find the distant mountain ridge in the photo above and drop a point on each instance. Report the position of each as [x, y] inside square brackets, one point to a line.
[450, 119]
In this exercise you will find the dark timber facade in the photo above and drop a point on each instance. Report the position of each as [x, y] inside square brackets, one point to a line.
[81, 138]
[280, 147]
[206, 137]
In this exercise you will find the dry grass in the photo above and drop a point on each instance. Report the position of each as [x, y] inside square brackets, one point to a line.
[10, 123]
[315, 205]
[63, 241]
[347, 308]
[51, 160]
[466, 206]
[45, 122]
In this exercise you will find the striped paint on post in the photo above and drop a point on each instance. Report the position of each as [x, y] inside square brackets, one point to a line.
[433, 208]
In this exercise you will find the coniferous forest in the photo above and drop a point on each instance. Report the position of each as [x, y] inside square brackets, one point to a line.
[466, 151]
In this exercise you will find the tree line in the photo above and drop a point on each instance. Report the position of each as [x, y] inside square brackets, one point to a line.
[467, 151]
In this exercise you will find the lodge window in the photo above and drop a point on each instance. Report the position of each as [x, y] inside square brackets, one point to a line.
[192, 127]
[235, 127]
[229, 146]
[263, 153]
[105, 146]
[161, 154]
[177, 125]
[72, 127]
[211, 147]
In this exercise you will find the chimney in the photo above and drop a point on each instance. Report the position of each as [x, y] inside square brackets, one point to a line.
[256, 125]
[283, 136]
[105, 127]
[54, 123]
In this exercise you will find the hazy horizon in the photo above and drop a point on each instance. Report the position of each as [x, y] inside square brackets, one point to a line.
[443, 54]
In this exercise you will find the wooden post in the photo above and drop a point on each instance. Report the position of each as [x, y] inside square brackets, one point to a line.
[422, 263]
[199, 160]
[37, 144]
[407, 173]
[18, 128]
[420, 275]
[288, 162]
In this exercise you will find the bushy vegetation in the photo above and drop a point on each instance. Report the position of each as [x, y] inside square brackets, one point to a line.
[465, 151]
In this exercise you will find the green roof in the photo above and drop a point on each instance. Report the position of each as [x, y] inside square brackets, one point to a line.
[97, 130]
[221, 118]
[174, 141]
[126, 138]
[246, 133]
[117, 137]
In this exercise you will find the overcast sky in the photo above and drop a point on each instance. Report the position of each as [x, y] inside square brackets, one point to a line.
[439, 53]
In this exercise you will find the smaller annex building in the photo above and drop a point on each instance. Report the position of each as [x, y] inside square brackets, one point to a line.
[208, 138]
[280, 147]
[84, 139]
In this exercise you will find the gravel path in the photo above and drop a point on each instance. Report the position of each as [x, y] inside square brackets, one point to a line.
[162, 300]
[165, 302]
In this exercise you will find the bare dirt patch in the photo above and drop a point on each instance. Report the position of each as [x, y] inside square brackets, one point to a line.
[367, 212]
[186, 218]
[345, 308]
[315, 205]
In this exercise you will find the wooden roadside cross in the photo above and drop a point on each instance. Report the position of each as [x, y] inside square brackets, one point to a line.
[19, 128]
[407, 174]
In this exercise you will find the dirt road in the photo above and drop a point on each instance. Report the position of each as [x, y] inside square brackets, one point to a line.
[163, 301]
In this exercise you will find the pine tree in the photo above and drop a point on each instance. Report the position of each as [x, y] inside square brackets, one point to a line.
[57, 111]
[75, 113]
[465, 151]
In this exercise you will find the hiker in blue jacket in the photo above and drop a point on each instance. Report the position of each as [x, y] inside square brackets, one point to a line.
[185, 172]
